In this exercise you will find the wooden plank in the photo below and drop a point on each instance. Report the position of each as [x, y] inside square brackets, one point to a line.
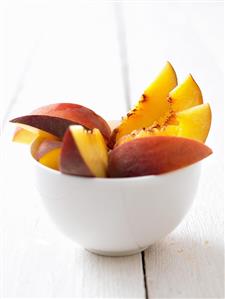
[77, 60]
[39, 261]
[157, 32]
[22, 34]
[2, 72]
[189, 262]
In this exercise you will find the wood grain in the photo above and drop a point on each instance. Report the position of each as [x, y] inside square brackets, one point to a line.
[77, 60]
[189, 262]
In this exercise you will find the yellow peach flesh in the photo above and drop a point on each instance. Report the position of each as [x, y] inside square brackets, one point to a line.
[195, 122]
[23, 136]
[186, 116]
[51, 159]
[186, 95]
[92, 148]
[27, 134]
[169, 130]
[153, 105]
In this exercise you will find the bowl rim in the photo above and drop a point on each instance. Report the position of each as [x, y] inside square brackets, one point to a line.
[107, 179]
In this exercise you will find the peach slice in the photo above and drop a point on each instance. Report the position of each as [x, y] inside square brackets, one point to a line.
[155, 155]
[84, 152]
[26, 134]
[48, 153]
[193, 123]
[56, 118]
[170, 130]
[23, 136]
[186, 95]
[183, 97]
[153, 105]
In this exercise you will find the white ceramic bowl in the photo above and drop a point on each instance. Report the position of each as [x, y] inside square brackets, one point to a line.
[117, 216]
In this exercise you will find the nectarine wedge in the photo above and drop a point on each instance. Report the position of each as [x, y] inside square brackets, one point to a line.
[186, 95]
[56, 118]
[23, 136]
[26, 134]
[155, 155]
[153, 106]
[170, 130]
[84, 152]
[193, 123]
[48, 153]
[177, 112]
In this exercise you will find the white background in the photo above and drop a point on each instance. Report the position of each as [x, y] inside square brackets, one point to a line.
[103, 54]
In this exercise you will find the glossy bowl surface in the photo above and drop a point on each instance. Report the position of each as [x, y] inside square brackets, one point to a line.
[116, 216]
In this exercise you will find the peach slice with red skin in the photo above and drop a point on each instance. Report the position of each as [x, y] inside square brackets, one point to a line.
[84, 152]
[155, 155]
[56, 118]
[48, 152]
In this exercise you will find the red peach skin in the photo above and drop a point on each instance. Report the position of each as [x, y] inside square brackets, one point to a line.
[56, 118]
[155, 155]
[71, 161]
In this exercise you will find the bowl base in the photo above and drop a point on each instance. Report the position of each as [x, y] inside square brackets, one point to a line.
[116, 253]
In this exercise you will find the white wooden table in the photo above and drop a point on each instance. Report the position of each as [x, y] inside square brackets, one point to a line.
[102, 55]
